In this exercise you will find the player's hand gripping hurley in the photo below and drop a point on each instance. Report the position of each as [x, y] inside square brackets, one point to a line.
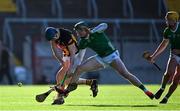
[43, 96]
[146, 55]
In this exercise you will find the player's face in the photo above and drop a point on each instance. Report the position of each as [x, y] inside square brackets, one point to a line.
[81, 33]
[171, 23]
[56, 36]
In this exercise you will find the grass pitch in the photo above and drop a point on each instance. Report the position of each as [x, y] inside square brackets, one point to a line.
[110, 98]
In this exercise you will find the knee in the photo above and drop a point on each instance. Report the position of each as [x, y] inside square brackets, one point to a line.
[126, 74]
[121, 71]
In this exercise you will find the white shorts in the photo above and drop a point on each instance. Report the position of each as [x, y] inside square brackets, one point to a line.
[177, 58]
[105, 61]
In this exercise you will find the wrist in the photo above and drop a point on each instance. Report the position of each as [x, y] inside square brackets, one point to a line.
[153, 56]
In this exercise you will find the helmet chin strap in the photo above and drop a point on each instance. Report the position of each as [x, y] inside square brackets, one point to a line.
[88, 31]
[87, 37]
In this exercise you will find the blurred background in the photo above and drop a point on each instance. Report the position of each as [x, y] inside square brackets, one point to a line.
[134, 26]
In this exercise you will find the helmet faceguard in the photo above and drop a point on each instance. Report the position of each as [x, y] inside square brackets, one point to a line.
[51, 33]
[80, 25]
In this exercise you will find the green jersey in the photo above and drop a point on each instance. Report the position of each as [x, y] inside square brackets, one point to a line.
[173, 36]
[98, 42]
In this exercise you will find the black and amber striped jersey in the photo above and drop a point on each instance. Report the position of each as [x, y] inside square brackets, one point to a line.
[66, 38]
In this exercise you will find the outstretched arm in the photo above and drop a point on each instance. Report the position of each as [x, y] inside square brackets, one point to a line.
[56, 52]
[159, 50]
[100, 28]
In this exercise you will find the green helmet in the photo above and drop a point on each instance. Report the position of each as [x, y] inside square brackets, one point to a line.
[80, 25]
[50, 33]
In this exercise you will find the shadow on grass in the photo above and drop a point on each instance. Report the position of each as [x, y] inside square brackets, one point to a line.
[108, 105]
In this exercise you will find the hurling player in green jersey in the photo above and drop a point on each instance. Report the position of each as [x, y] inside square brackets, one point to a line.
[106, 55]
[171, 36]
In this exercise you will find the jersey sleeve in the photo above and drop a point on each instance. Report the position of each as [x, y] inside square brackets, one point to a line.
[68, 37]
[100, 28]
[165, 33]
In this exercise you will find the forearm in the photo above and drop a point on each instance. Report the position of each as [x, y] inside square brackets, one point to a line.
[72, 58]
[81, 55]
[72, 50]
[160, 49]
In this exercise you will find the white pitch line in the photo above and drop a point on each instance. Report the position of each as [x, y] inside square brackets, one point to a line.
[89, 110]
